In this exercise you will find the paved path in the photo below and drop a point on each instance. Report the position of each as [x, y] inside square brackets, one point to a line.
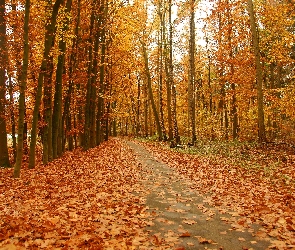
[180, 218]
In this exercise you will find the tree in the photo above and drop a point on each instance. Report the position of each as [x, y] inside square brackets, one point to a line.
[255, 39]
[4, 159]
[57, 130]
[191, 76]
[49, 36]
[22, 90]
[150, 90]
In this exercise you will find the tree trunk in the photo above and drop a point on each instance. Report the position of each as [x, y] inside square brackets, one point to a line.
[101, 91]
[138, 108]
[4, 158]
[191, 84]
[255, 39]
[168, 87]
[86, 142]
[49, 34]
[13, 128]
[150, 91]
[174, 111]
[47, 101]
[160, 68]
[234, 110]
[57, 130]
[146, 100]
[22, 89]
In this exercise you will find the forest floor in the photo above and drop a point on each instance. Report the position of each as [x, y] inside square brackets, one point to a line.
[137, 195]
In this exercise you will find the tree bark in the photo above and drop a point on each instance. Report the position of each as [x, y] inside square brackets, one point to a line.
[89, 88]
[22, 89]
[150, 91]
[191, 84]
[47, 101]
[160, 68]
[57, 130]
[255, 39]
[101, 91]
[49, 35]
[67, 117]
[4, 158]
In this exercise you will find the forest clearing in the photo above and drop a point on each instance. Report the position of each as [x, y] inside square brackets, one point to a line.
[147, 124]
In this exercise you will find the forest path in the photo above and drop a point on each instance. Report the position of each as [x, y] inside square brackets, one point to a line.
[180, 217]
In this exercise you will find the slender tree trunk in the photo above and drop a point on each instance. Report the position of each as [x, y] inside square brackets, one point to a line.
[86, 143]
[93, 103]
[138, 108]
[4, 158]
[168, 89]
[150, 91]
[160, 68]
[22, 89]
[234, 110]
[173, 99]
[114, 123]
[255, 39]
[146, 100]
[67, 116]
[235, 113]
[191, 84]
[100, 102]
[13, 128]
[47, 101]
[49, 35]
[57, 130]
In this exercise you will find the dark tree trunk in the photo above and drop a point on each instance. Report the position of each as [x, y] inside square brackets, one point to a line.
[49, 36]
[22, 89]
[57, 130]
[4, 158]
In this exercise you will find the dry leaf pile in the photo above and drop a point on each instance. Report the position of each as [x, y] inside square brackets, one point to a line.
[83, 200]
[249, 195]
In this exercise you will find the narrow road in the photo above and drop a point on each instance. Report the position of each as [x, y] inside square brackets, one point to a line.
[180, 218]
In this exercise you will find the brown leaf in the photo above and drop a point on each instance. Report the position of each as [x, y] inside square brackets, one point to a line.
[186, 234]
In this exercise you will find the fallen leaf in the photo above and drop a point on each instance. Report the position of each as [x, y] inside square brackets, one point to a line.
[186, 234]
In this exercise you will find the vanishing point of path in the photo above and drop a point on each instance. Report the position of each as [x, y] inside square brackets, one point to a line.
[180, 217]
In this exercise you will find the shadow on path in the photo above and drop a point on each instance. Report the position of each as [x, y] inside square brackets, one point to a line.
[180, 218]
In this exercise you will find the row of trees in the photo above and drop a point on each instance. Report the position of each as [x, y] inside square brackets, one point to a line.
[74, 72]
[238, 85]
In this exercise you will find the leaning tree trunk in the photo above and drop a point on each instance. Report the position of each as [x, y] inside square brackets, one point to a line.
[150, 91]
[22, 88]
[4, 159]
[255, 38]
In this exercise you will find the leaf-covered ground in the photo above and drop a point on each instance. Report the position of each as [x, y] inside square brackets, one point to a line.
[179, 216]
[263, 194]
[83, 200]
[98, 200]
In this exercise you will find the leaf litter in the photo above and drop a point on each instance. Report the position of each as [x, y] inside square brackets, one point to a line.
[94, 200]
[83, 200]
[248, 195]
